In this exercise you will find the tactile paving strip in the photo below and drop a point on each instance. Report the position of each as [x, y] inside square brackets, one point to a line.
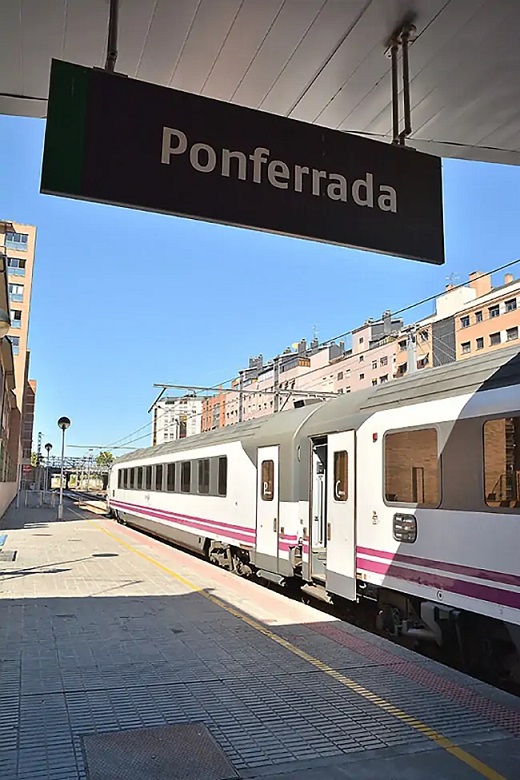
[183, 752]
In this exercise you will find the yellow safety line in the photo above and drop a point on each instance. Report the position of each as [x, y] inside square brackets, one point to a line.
[439, 739]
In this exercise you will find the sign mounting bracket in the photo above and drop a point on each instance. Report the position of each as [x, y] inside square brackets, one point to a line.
[402, 38]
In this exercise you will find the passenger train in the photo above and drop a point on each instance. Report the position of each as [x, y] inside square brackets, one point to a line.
[405, 497]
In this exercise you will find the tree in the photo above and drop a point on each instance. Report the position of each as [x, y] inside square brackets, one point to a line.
[34, 458]
[105, 459]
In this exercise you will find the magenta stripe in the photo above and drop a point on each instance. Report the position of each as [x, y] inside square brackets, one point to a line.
[199, 525]
[429, 580]
[167, 513]
[453, 568]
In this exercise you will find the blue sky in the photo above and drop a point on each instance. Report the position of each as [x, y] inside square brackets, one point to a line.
[123, 299]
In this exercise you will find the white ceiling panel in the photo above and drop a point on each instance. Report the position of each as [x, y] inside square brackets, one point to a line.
[167, 33]
[205, 40]
[319, 61]
[42, 27]
[11, 49]
[289, 28]
[324, 36]
[245, 38]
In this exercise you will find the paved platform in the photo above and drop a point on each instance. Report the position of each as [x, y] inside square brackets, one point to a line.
[123, 657]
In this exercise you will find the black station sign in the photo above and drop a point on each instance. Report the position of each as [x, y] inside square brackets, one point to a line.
[113, 139]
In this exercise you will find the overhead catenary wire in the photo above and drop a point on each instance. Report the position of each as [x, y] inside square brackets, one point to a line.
[327, 342]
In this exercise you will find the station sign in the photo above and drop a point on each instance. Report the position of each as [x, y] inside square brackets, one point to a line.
[112, 139]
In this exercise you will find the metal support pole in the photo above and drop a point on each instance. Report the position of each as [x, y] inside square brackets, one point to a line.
[20, 468]
[60, 504]
[405, 38]
[395, 93]
[110, 64]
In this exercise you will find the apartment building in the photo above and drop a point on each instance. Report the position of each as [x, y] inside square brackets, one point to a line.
[491, 321]
[18, 244]
[214, 412]
[10, 417]
[176, 418]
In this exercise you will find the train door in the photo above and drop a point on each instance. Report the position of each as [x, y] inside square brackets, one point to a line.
[318, 518]
[267, 504]
[341, 514]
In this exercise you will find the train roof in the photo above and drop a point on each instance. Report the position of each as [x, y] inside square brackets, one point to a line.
[492, 370]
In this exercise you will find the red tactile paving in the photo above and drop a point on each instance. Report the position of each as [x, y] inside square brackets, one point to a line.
[501, 716]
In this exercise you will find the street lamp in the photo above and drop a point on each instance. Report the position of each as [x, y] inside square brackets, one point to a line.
[48, 447]
[63, 423]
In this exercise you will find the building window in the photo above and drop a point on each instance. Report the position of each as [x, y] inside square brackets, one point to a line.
[16, 321]
[402, 369]
[158, 477]
[374, 382]
[383, 379]
[502, 462]
[267, 493]
[15, 341]
[478, 316]
[16, 292]
[186, 476]
[480, 343]
[361, 358]
[511, 305]
[512, 333]
[412, 467]
[374, 364]
[170, 477]
[340, 375]
[347, 389]
[361, 376]
[383, 361]
[424, 335]
[16, 241]
[494, 339]
[494, 311]
[465, 347]
[464, 321]
[16, 266]
[361, 339]
[340, 476]
[204, 475]
[402, 346]
[222, 476]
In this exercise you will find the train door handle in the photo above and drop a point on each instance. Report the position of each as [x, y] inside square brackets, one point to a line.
[329, 532]
[274, 524]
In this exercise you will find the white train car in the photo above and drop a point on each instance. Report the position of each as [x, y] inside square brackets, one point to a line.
[407, 495]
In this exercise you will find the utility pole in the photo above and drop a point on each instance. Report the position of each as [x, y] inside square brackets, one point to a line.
[241, 396]
[276, 384]
[411, 346]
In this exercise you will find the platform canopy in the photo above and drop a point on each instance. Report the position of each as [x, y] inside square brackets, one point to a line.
[320, 61]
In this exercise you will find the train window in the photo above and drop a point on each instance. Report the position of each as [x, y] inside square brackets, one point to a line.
[412, 467]
[186, 476]
[139, 478]
[158, 477]
[120, 478]
[267, 480]
[340, 476]
[170, 477]
[222, 476]
[147, 477]
[502, 462]
[204, 475]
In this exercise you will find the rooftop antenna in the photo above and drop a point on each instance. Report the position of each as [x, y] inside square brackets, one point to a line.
[452, 278]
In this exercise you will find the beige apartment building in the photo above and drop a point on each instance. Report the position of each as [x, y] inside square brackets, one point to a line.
[18, 248]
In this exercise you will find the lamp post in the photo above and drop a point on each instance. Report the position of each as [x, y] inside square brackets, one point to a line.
[47, 482]
[63, 423]
[88, 467]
